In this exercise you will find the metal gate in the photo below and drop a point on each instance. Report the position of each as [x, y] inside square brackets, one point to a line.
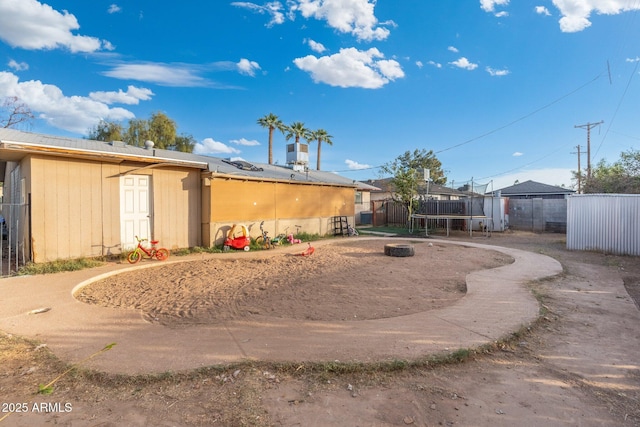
[14, 250]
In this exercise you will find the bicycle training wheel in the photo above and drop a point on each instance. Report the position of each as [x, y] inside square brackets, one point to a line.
[133, 257]
[162, 254]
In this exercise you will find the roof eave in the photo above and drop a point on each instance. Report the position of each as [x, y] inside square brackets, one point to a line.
[29, 148]
[227, 176]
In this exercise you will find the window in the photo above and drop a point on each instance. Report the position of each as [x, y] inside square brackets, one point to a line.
[358, 197]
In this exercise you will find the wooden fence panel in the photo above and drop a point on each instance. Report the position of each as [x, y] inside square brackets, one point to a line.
[388, 213]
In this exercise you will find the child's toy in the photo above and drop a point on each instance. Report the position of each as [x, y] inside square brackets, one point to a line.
[309, 251]
[264, 240]
[240, 242]
[292, 240]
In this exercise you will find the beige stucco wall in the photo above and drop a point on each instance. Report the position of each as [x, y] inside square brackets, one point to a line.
[76, 207]
[67, 208]
[285, 207]
[176, 207]
[364, 206]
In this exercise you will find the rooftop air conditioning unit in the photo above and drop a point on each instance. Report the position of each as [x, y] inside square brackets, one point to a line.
[298, 156]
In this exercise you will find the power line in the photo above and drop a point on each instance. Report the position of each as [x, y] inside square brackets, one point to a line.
[624, 94]
[525, 165]
[624, 134]
[522, 117]
[496, 129]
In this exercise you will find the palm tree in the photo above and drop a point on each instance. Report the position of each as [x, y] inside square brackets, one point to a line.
[320, 136]
[272, 122]
[297, 130]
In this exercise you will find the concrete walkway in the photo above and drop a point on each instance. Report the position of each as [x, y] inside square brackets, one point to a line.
[497, 303]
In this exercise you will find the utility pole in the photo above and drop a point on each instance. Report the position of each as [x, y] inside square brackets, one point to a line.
[579, 170]
[588, 127]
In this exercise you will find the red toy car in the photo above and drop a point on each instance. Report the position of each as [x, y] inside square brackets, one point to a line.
[240, 242]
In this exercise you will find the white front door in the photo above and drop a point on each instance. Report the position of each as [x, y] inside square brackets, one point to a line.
[135, 209]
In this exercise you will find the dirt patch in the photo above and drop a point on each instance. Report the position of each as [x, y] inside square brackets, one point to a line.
[353, 281]
[577, 366]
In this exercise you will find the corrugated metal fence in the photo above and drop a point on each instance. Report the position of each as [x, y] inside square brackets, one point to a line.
[538, 215]
[607, 223]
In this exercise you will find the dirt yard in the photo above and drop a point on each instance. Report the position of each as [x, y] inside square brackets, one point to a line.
[353, 281]
[578, 365]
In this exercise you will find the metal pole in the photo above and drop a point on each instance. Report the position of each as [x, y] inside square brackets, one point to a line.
[588, 127]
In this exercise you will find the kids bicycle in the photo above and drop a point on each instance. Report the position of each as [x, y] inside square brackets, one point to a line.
[264, 240]
[153, 252]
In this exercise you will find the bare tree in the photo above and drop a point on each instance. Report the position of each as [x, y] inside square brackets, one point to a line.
[13, 112]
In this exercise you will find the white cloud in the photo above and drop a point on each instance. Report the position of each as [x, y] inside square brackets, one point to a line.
[132, 96]
[72, 113]
[18, 66]
[114, 8]
[464, 64]
[183, 75]
[178, 74]
[273, 9]
[576, 13]
[211, 146]
[636, 59]
[29, 24]
[351, 68]
[347, 16]
[435, 64]
[247, 67]
[490, 5]
[501, 14]
[315, 46]
[541, 10]
[245, 142]
[497, 73]
[517, 154]
[453, 49]
[353, 165]
[354, 17]
[419, 64]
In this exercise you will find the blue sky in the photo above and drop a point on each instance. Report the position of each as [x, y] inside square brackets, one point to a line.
[495, 88]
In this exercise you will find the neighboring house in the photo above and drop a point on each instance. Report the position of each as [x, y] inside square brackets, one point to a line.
[537, 207]
[71, 197]
[363, 203]
[535, 190]
[386, 190]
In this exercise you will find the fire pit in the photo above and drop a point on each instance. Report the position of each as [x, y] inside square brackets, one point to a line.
[398, 250]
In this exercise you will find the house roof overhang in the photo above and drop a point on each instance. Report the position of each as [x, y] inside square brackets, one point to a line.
[14, 151]
[227, 177]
